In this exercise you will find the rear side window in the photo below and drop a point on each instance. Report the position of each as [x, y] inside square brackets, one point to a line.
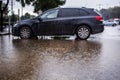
[73, 12]
[69, 12]
[83, 12]
[97, 12]
[94, 12]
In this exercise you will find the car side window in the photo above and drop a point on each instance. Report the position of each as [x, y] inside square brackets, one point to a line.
[50, 14]
[83, 13]
[69, 12]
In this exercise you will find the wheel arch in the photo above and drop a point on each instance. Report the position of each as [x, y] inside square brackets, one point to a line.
[81, 25]
[25, 25]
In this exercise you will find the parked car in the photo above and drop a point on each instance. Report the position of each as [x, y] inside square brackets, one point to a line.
[118, 21]
[110, 23]
[61, 21]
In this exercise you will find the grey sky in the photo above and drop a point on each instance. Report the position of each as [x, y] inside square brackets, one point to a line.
[93, 3]
[75, 3]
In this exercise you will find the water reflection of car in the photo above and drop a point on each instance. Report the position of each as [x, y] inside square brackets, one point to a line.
[61, 21]
[110, 23]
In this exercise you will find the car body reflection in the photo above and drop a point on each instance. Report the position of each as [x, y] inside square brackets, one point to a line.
[49, 57]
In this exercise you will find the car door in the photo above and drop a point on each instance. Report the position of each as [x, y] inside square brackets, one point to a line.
[48, 22]
[67, 20]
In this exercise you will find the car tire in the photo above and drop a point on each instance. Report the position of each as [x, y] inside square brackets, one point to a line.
[83, 32]
[25, 33]
[114, 25]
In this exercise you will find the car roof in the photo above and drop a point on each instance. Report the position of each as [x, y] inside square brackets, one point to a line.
[84, 8]
[70, 8]
[74, 8]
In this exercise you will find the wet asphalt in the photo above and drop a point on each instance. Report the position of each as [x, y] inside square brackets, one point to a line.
[97, 58]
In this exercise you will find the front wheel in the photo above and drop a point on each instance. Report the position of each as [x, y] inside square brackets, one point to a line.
[83, 32]
[25, 33]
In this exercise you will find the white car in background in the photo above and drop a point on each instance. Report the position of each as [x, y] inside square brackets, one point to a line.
[117, 20]
[110, 23]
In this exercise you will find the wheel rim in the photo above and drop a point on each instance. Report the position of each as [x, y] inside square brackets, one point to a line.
[83, 32]
[25, 33]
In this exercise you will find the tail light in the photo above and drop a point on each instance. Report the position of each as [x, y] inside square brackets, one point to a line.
[99, 18]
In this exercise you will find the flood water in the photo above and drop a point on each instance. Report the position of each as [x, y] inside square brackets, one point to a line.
[97, 58]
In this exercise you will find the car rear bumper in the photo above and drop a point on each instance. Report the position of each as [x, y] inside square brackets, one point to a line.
[98, 29]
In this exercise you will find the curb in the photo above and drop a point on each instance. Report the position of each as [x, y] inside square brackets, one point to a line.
[4, 33]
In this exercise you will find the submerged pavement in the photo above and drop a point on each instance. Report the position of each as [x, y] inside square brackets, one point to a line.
[97, 58]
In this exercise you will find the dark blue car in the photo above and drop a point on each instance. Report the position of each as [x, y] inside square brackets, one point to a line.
[61, 21]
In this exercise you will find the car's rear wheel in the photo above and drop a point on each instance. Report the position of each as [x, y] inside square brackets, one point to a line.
[83, 32]
[25, 33]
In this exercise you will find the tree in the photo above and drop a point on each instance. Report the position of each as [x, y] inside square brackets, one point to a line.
[24, 2]
[105, 14]
[14, 18]
[42, 4]
[46, 4]
[27, 16]
[111, 12]
[5, 12]
[1, 13]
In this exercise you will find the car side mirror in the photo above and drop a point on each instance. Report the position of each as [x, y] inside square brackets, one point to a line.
[40, 19]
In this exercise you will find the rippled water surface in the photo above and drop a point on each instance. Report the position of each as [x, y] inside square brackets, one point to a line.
[95, 59]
